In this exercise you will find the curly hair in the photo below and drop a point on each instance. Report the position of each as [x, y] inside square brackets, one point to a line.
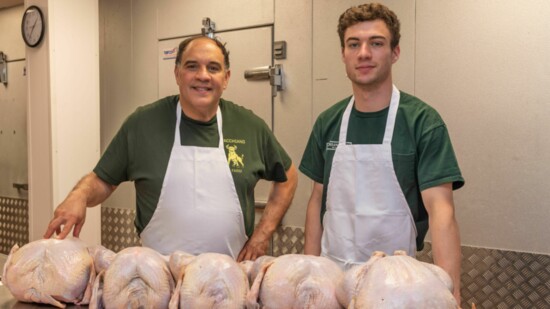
[369, 12]
[183, 45]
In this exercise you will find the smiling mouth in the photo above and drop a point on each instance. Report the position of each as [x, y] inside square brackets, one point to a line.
[201, 89]
[365, 67]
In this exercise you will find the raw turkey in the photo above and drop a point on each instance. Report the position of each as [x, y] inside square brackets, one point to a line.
[398, 281]
[208, 280]
[252, 268]
[50, 271]
[136, 277]
[296, 281]
[102, 257]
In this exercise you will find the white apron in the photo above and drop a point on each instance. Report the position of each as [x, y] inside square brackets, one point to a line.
[366, 208]
[198, 209]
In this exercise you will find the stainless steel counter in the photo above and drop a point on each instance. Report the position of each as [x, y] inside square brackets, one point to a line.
[3, 259]
[6, 299]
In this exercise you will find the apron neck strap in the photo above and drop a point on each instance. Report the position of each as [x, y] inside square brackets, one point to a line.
[392, 113]
[390, 123]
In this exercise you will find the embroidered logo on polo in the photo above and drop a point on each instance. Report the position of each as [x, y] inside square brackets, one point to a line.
[234, 159]
[332, 145]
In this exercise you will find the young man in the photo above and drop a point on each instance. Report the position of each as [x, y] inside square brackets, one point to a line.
[192, 192]
[382, 161]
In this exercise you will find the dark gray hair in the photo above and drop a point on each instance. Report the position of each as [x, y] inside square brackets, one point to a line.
[183, 45]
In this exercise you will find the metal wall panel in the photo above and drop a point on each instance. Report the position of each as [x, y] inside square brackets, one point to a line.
[14, 223]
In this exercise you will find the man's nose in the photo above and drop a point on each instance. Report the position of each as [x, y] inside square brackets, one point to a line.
[364, 51]
[203, 73]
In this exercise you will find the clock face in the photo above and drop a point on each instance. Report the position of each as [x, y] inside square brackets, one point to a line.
[32, 26]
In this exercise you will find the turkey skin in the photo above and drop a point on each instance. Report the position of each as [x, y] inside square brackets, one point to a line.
[396, 282]
[296, 281]
[50, 271]
[207, 281]
[136, 277]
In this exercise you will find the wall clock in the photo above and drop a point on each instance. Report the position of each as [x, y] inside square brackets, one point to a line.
[32, 26]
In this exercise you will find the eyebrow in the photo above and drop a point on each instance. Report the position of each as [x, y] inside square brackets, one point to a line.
[374, 37]
[196, 62]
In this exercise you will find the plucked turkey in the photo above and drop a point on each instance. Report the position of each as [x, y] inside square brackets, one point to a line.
[208, 280]
[296, 281]
[252, 268]
[398, 281]
[50, 271]
[136, 277]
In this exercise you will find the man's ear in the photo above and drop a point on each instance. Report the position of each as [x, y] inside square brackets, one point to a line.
[395, 53]
[227, 76]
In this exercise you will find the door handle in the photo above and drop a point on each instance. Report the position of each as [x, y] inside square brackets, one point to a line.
[21, 186]
[272, 73]
[259, 73]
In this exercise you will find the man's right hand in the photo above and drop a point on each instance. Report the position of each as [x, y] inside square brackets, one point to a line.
[71, 213]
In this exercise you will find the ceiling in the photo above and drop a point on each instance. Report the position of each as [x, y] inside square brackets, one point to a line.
[9, 3]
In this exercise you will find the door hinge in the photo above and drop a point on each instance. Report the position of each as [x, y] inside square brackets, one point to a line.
[3, 68]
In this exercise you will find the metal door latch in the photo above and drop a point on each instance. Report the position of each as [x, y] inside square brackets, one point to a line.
[274, 73]
[208, 27]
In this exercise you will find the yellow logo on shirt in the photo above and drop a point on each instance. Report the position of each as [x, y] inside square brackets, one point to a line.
[233, 159]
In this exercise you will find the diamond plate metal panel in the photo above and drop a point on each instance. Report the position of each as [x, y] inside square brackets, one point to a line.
[117, 228]
[14, 223]
[288, 239]
[501, 279]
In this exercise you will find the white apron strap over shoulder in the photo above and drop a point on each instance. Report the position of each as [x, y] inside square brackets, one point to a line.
[366, 208]
[198, 209]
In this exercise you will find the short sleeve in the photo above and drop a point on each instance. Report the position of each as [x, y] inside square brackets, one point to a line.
[113, 165]
[313, 161]
[437, 163]
[277, 160]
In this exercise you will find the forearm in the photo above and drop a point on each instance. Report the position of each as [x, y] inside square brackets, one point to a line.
[91, 190]
[446, 249]
[279, 201]
[313, 228]
[445, 232]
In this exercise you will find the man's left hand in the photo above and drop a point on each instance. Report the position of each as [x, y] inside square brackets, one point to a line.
[279, 200]
[253, 249]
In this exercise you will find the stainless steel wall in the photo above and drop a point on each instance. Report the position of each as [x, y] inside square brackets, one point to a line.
[13, 106]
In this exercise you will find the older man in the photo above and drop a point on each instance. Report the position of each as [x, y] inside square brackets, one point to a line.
[192, 192]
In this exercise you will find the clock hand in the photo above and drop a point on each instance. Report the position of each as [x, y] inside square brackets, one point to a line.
[33, 25]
